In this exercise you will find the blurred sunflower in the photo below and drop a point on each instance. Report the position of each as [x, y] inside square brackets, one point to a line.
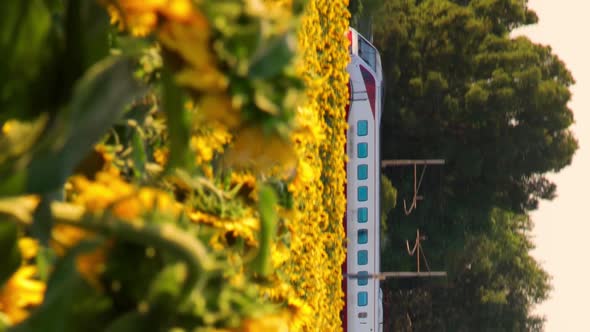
[23, 291]
[268, 323]
[142, 17]
[253, 149]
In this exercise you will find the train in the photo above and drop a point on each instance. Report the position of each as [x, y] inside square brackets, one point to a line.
[363, 311]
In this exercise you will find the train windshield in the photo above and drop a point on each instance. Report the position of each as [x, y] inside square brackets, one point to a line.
[368, 53]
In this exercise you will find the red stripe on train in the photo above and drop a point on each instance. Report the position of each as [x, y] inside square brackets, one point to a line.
[369, 80]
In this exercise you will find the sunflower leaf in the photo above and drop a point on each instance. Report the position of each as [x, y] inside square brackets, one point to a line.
[268, 225]
[9, 249]
[100, 98]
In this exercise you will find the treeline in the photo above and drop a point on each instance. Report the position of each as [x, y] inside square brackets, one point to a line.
[460, 88]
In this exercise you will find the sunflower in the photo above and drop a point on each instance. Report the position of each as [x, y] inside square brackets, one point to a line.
[268, 323]
[142, 17]
[23, 291]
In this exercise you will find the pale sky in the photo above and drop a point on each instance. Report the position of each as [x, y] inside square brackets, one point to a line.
[562, 226]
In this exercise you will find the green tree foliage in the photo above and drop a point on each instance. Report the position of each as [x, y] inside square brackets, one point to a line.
[493, 288]
[460, 88]
[388, 202]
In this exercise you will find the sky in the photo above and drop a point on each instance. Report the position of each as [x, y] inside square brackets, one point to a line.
[562, 226]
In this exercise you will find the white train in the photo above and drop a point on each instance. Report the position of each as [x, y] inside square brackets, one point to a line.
[363, 310]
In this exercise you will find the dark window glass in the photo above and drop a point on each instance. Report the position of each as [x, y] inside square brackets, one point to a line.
[362, 128]
[363, 193]
[362, 281]
[362, 172]
[363, 257]
[362, 299]
[363, 236]
[362, 150]
[363, 215]
[367, 52]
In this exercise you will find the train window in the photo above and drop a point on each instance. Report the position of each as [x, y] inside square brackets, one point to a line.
[362, 299]
[362, 281]
[363, 257]
[362, 150]
[368, 53]
[363, 215]
[362, 172]
[362, 236]
[362, 127]
[362, 193]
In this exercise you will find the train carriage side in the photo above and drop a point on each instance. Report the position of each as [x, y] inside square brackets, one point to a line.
[363, 178]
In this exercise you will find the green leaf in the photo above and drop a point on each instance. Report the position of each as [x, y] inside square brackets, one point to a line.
[272, 57]
[16, 146]
[45, 262]
[178, 123]
[70, 302]
[166, 288]
[92, 29]
[43, 218]
[130, 322]
[24, 28]
[19, 139]
[13, 184]
[9, 249]
[86, 27]
[138, 155]
[132, 45]
[98, 101]
[268, 224]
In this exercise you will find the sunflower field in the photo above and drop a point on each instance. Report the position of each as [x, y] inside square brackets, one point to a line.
[172, 165]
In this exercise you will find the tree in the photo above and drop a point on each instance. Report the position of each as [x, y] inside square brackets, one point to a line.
[495, 108]
[493, 285]
[388, 202]
[460, 88]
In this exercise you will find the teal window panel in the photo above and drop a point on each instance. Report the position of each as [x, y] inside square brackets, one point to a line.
[362, 150]
[363, 215]
[362, 193]
[362, 128]
[362, 236]
[362, 299]
[362, 172]
[362, 281]
[362, 257]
